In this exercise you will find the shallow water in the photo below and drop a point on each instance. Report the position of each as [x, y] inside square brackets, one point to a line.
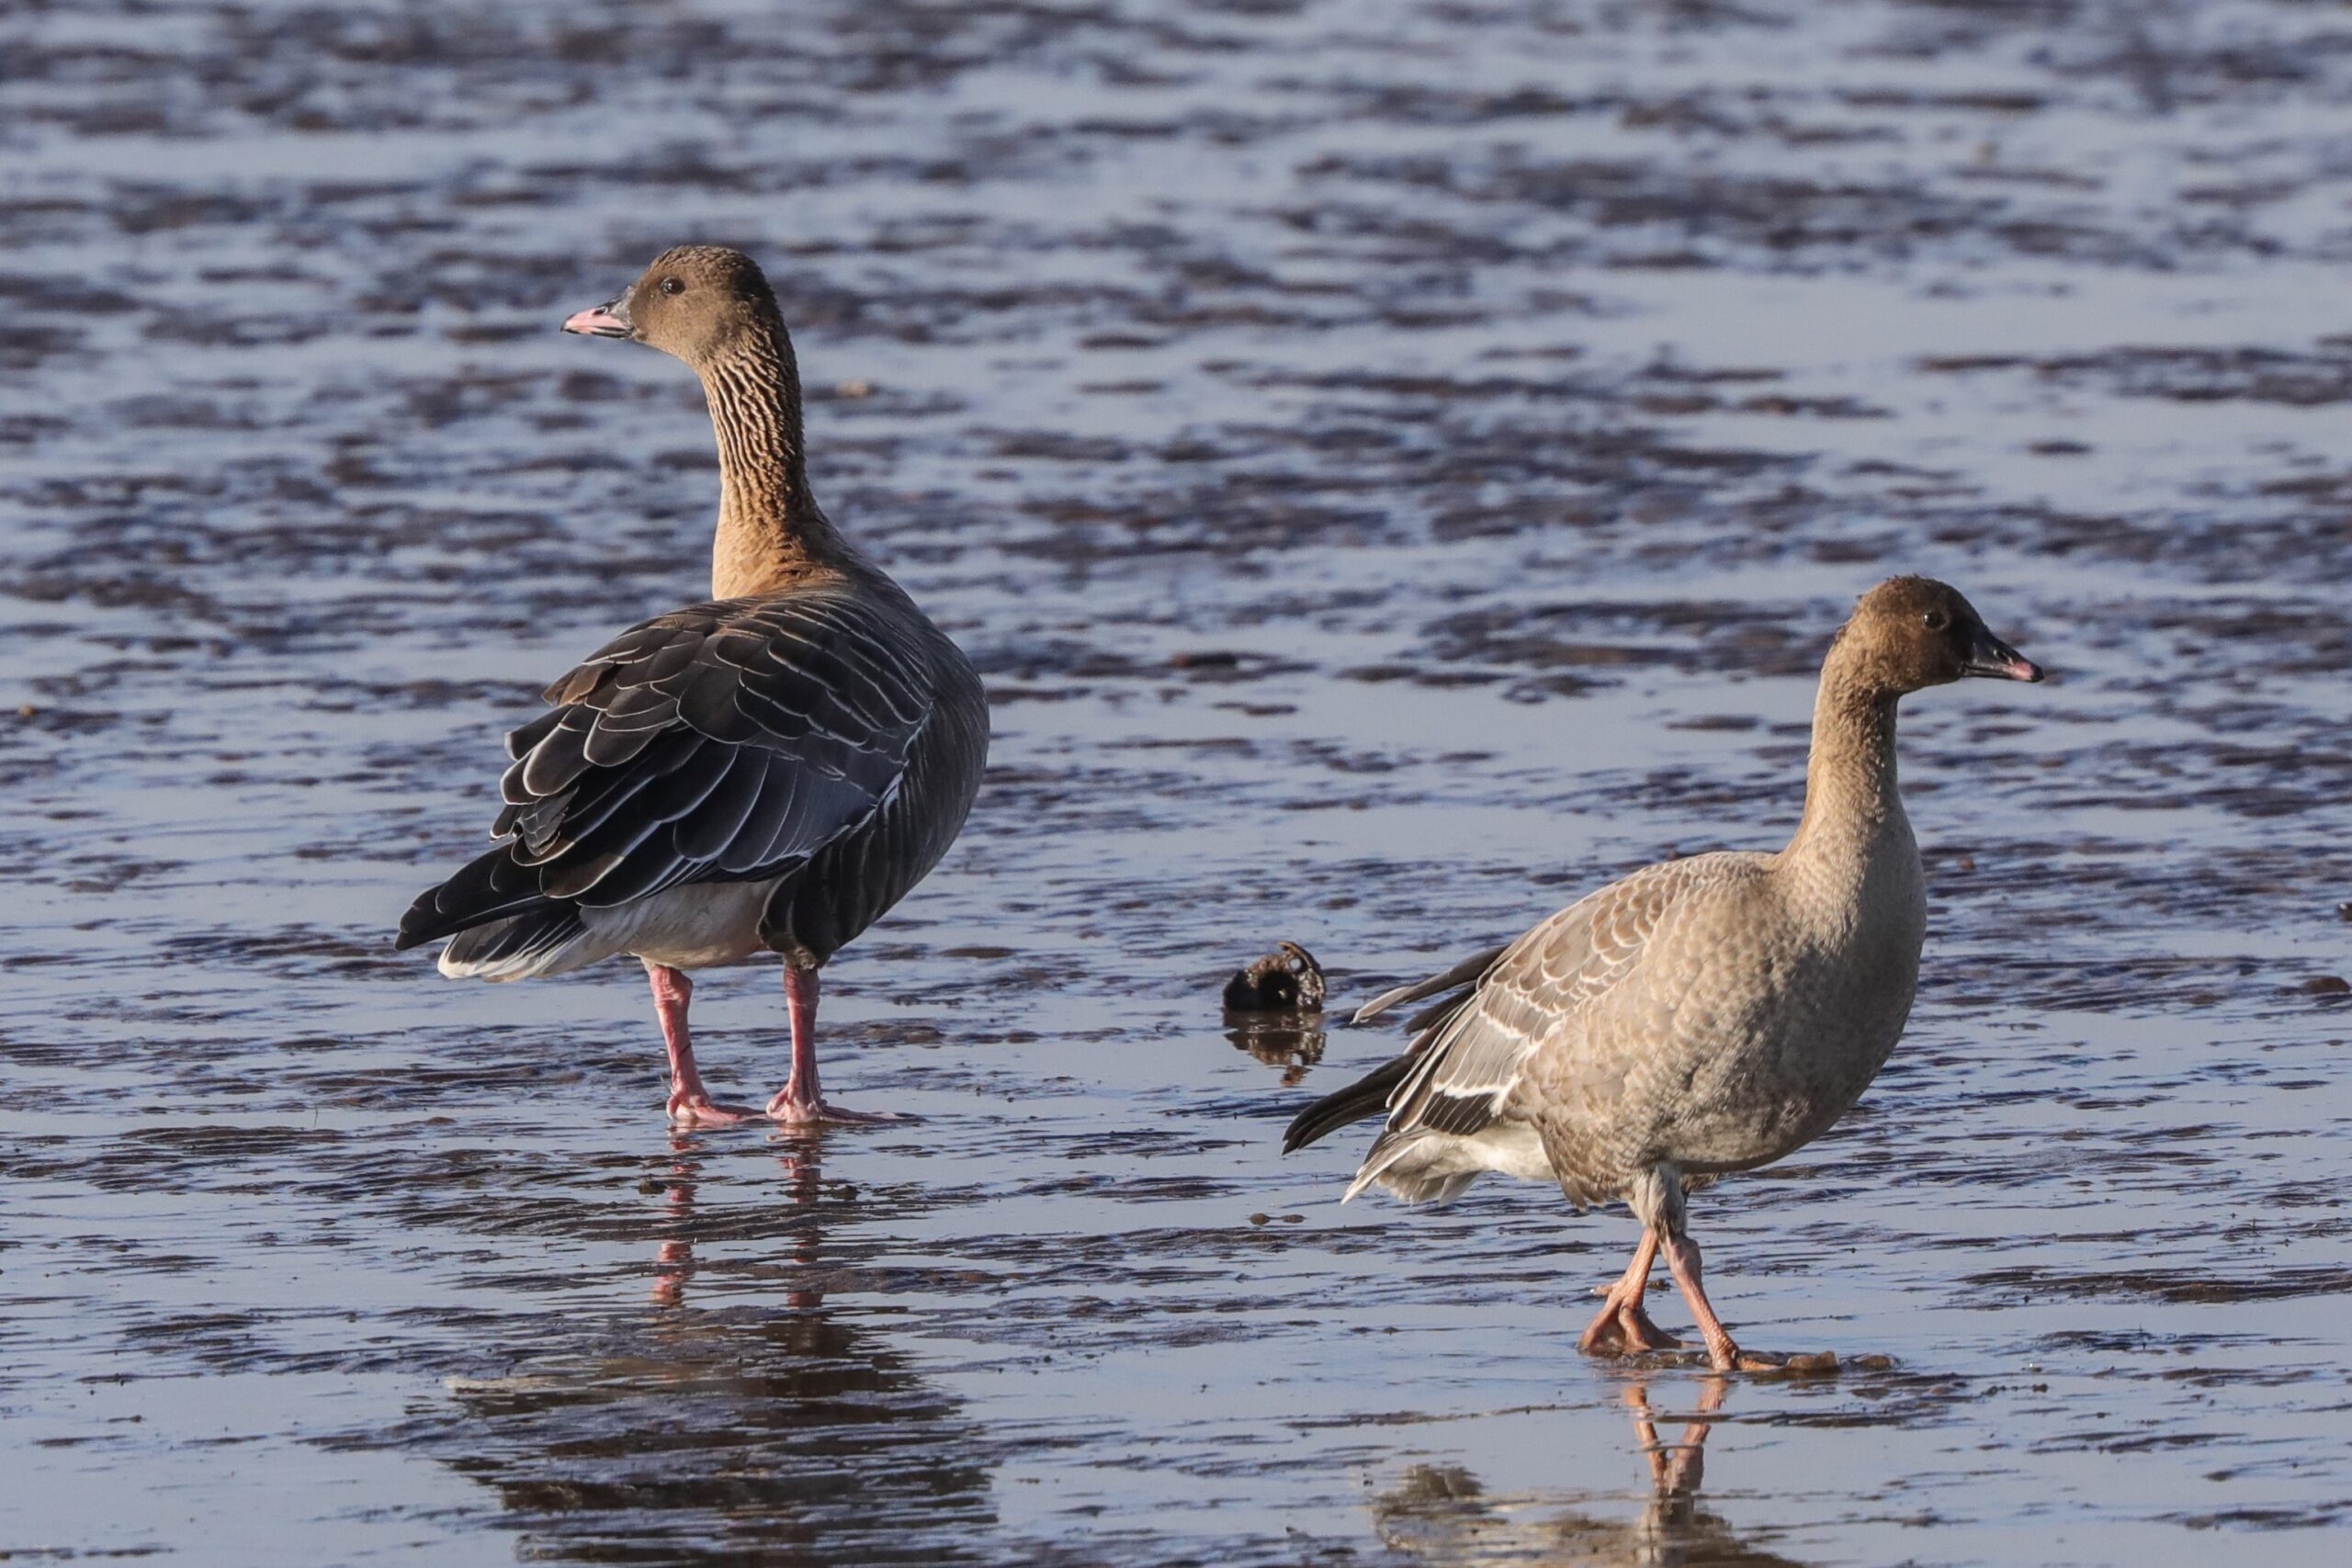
[1397, 465]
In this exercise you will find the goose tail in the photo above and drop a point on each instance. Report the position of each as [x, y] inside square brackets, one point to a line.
[547, 941]
[1364, 1099]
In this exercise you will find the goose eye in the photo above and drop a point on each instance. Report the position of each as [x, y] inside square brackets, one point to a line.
[674, 286]
[1939, 620]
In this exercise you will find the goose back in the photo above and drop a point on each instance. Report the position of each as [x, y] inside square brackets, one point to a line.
[829, 739]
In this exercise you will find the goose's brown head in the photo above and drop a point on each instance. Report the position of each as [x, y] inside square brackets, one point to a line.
[1913, 632]
[693, 302]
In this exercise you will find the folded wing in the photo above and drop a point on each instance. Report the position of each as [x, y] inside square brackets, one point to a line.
[1475, 1047]
[727, 741]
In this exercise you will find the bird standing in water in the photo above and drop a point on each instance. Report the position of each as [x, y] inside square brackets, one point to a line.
[1700, 1017]
[766, 772]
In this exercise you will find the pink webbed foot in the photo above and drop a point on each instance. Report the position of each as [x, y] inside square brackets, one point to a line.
[797, 1111]
[696, 1109]
[801, 1103]
[1624, 1328]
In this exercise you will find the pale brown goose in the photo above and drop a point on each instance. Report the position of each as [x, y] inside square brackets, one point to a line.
[766, 772]
[1702, 1016]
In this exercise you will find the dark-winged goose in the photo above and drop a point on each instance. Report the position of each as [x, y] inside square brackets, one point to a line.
[769, 772]
[1700, 1017]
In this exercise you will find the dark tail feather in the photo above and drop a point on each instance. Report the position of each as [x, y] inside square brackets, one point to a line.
[1468, 972]
[488, 889]
[1366, 1097]
[513, 947]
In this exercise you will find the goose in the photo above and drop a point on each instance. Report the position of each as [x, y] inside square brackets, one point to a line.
[765, 773]
[1702, 1016]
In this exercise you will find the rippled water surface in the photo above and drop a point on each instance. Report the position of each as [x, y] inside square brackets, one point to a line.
[1396, 464]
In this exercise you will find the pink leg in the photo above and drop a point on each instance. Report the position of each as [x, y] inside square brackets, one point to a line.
[689, 1101]
[798, 1103]
[1624, 1326]
[1682, 1256]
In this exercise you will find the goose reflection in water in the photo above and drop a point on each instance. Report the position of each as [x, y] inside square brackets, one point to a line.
[1441, 1515]
[673, 1262]
[731, 1417]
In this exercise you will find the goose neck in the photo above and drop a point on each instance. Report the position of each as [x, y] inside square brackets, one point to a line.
[1851, 794]
[771, 531]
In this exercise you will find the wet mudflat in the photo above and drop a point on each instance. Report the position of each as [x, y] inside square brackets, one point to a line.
[1397, 465]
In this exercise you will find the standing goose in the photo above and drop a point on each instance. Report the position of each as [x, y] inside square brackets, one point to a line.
[1702, 1016]
[766, 772]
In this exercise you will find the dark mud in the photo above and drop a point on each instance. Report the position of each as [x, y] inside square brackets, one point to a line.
[1397, 465]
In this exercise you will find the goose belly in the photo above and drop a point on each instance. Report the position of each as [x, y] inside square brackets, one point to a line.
[1505, 1148]
[1778, 1086]
[1424, 1166]
[698, 927]
[1514, 1149]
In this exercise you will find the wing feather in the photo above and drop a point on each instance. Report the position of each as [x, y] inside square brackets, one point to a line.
[1475, 1055]
[716, 823]
[1461, 973]
[550, 767]
[659, 665]
[523, 739]
[717, 742]
[546, 827]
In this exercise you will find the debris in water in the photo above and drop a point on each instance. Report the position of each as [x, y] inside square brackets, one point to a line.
[1286, 980]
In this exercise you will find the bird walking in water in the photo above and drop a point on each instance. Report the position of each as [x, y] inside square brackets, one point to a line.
[766, 772]
[1702, 1016]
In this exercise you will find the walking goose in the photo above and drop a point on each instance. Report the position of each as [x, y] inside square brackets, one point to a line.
[769, 772]
[1700, 1017]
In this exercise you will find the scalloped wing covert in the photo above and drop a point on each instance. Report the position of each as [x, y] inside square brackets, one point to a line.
[713, 743]
[727, 741]
[1540, 985]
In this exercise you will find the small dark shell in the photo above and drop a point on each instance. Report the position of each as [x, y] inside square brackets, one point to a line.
[1286, 980]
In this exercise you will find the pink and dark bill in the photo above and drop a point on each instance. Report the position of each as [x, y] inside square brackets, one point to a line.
[608, 320]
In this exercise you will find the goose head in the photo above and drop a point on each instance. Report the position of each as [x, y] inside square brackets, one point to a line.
[1910, 633]
[695, 303]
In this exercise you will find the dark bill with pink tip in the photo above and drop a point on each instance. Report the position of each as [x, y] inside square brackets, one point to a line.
[607, 319]
[1990, 657]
